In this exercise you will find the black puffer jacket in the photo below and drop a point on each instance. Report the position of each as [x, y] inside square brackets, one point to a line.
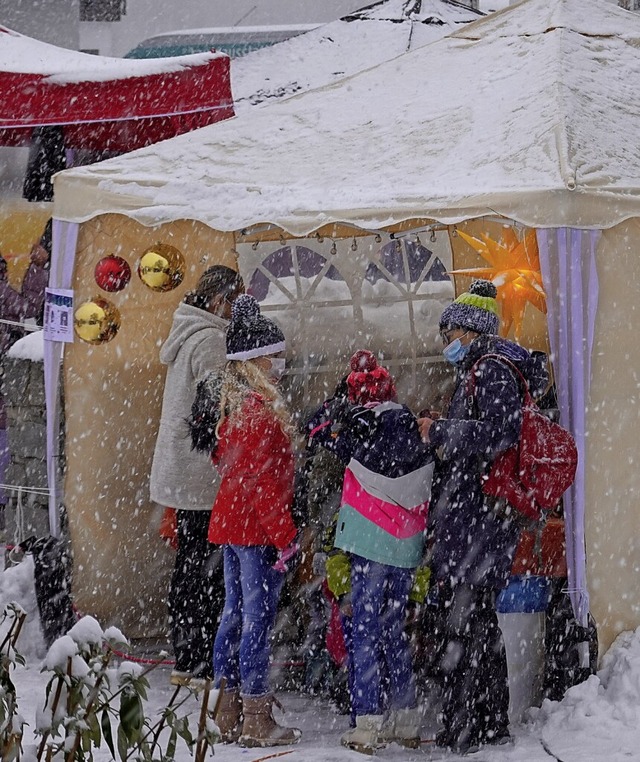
[472, 544]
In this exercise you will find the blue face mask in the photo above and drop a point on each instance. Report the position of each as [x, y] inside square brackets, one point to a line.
[455, 352]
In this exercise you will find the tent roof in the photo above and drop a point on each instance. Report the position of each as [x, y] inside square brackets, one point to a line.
[530, 113]
[359, 41]
[43, 85]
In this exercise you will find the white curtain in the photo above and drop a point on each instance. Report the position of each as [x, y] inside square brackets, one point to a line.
[568, 266]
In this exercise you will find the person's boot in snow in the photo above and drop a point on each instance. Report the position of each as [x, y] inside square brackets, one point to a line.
[259, 727]
[402, 726]
[365, 737]
[229, 717]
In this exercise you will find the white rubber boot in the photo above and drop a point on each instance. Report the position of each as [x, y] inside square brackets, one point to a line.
[365, 737]
[402, 726]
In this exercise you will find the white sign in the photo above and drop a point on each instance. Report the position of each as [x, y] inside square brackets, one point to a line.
[58, 314]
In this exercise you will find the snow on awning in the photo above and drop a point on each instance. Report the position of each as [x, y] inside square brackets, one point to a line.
[106, 103]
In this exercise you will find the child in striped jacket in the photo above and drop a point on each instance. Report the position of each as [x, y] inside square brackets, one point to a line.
[381, 526]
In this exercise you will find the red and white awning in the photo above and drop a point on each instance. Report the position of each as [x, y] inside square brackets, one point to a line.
[107, 103]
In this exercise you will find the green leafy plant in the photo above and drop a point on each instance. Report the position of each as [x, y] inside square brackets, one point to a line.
[11, 723]
[89, 702]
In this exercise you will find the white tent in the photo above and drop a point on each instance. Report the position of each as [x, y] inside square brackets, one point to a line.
[359, 41]
[512, 115]
[530, 114]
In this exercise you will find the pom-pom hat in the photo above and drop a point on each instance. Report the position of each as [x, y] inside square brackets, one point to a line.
[250, 334]
[476, 309]
[368, 381]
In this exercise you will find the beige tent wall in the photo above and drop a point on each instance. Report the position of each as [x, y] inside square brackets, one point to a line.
[612, 521]
[112, 395]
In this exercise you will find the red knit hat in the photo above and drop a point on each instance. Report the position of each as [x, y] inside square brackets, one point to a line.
[368, 381]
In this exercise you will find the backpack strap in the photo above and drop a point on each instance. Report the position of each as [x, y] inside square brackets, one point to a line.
[471, 377]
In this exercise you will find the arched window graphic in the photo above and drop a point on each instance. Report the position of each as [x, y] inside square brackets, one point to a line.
[407, 262]
[333, 297]
[289, 266]
[405, 288]
[300, 287]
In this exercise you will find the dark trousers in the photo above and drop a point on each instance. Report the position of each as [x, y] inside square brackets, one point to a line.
[196, 595]
[473, 667]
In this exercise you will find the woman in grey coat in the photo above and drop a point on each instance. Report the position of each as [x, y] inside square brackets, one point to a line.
[186, 480]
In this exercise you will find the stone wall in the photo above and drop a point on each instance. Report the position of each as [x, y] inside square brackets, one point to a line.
[23, 391]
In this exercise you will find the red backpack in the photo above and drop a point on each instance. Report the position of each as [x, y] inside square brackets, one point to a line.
[533, 474]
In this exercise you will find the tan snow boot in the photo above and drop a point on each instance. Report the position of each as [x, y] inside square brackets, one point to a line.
[402, 726]
[229, 717]
[365, 737]
[259, 728]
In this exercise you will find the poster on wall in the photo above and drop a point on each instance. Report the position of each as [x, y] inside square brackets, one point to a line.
[58, 314]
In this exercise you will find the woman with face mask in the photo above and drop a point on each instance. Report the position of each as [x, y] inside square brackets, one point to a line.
[240, 419]
[473, 543]
[184, 480]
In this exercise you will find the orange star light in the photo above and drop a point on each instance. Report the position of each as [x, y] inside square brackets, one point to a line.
[514, 270]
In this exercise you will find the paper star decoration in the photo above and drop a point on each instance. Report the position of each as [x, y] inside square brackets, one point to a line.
[514, 269]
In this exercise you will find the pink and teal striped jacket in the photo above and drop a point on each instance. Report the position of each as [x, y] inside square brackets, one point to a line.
[383, 517]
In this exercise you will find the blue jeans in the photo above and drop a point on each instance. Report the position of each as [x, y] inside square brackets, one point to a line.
[380, 645]
[252, 589]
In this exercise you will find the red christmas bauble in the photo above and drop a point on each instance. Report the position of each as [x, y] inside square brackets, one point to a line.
[112, 273]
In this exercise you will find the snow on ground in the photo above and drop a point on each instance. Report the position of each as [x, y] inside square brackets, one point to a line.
[598, 721]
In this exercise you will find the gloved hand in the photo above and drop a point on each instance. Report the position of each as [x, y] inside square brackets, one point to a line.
[346, 606]
[284, 555]
[420, 586]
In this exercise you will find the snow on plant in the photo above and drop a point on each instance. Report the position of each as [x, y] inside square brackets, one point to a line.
[11, 722]
[87, 698]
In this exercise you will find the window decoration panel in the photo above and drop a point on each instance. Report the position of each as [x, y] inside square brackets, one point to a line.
[332, 297]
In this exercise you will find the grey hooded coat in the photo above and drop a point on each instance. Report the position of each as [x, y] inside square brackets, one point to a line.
[180, 477]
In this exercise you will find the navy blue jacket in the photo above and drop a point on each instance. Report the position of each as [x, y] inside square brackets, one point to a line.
[384, 438]
[471, 543]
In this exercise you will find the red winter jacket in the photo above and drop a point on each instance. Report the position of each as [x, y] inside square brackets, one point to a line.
[256, 464]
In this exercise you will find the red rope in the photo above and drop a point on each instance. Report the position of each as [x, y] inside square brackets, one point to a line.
[140, 660]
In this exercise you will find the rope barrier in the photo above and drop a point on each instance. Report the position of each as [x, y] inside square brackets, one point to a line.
[45, 491]
[142, 660]
[26, 326]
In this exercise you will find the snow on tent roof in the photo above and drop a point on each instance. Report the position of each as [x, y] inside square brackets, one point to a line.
[344, 47]
[530, 113]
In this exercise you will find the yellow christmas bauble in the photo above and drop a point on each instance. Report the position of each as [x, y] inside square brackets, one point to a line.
[96, 321]
[161, 267]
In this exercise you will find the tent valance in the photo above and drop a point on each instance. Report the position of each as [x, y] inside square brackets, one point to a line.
[106, 103]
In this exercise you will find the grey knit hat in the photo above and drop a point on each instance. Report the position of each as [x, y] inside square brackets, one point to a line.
[250, 334]
[476, 309]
